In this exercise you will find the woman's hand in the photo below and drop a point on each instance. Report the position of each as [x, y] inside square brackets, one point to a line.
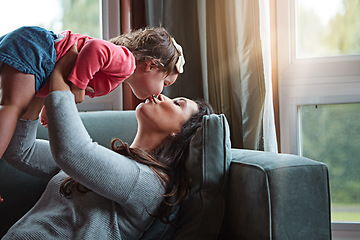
[58, 77]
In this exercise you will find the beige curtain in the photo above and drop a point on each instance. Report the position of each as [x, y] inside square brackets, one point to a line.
[227, 50]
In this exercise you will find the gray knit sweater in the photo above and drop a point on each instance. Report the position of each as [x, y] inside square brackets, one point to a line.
[123, 194]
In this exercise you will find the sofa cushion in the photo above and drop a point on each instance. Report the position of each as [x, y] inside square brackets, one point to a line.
[208, 163]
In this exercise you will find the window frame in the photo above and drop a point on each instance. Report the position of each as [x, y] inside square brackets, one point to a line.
[111, 27]
[110, 18]
[325, 80]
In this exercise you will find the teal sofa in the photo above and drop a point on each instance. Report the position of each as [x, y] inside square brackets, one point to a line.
[235, 194]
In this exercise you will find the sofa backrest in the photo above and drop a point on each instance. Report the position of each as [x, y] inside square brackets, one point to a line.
[103, 126]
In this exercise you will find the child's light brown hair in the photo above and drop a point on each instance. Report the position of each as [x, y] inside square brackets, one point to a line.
[151, 44]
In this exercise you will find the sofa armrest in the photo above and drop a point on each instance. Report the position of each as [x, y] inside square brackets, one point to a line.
[276, 196]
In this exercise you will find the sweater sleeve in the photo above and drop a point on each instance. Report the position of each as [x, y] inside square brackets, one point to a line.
[29, 154]
[102, 170]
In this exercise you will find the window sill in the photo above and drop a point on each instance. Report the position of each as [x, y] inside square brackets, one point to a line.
[345, 230]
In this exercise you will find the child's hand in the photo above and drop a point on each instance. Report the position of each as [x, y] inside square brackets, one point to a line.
[43, 118]
[89, 89]
[79, 93]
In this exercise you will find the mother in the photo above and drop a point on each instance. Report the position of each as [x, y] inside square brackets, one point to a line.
[104, 194]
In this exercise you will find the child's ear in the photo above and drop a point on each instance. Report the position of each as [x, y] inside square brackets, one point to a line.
[150, 65]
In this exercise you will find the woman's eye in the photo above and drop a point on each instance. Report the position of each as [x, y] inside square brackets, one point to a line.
[176, 103]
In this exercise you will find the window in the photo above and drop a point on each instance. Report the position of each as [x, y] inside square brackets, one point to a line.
[96, 18]
[330, 133]
[81, 16]
[327, 28]
[319, 84]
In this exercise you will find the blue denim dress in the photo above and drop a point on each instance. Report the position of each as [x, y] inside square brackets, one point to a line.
[30, 50]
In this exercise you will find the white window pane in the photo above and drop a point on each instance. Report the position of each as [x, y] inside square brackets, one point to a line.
[327, 28]
[79, 16]
[331, 134]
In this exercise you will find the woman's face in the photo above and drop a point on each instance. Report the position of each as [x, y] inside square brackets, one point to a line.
[165, 115]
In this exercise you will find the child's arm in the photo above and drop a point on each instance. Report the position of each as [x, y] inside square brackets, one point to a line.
[92, 57]
[99, 56]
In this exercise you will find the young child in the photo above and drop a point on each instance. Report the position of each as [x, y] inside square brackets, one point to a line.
[147, 59]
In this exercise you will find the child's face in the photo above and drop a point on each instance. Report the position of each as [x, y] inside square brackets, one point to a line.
[149, 80]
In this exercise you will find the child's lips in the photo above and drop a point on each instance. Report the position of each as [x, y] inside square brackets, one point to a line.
[154, 99]
[150, 99]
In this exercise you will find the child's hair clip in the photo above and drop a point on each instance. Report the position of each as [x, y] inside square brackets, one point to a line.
[181, 60]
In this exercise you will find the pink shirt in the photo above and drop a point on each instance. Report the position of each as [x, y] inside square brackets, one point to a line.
[100, 64]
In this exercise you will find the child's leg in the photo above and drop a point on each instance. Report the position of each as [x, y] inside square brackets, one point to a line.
[17, 91]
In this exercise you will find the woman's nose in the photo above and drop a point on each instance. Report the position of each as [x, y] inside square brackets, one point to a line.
[162, 97]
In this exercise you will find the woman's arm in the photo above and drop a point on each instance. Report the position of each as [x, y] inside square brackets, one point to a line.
[102, 170]
[29, 154]
[24, 151]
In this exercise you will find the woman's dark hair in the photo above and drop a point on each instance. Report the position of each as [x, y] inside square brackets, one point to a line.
[151, 44]
[168, 161]
[173, 153]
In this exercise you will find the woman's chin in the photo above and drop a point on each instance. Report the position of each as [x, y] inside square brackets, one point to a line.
[139, 106]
